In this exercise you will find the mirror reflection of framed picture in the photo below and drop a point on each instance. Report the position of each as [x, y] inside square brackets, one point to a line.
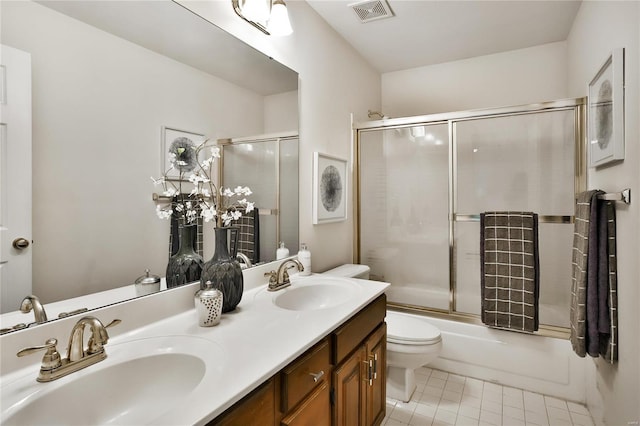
[605, 112]
[329, 189]
[173, 139]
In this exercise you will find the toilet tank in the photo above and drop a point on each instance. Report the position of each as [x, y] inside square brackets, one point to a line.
[350, 270]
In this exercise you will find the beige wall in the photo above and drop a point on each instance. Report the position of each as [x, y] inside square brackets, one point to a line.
[516, 77]
[334, 82]
[599, 27]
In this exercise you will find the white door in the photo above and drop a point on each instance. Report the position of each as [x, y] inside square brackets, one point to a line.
[15, 177]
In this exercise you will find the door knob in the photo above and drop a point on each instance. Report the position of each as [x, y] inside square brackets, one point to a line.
[20, 243]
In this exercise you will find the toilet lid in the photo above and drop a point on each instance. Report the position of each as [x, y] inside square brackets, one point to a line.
[410, 330]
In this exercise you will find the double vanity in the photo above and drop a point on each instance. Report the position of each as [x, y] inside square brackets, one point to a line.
[314, 350]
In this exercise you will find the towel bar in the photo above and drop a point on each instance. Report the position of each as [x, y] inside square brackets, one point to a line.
[624, 196]
[541, 218]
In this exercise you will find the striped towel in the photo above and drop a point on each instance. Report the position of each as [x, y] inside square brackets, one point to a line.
[593, 312]
[509, 270]
[249, 237]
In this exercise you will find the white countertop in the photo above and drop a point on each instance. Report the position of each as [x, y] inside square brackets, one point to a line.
[256, 341]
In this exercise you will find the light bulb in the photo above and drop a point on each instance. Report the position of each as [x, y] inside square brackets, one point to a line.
[255, 10]
[279, 24]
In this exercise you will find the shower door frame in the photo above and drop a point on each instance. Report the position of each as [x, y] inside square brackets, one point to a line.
[578, 106]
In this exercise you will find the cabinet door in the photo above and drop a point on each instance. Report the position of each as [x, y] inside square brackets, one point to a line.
[258, 408]
[376, 346]
[315, 410]
[350, 390]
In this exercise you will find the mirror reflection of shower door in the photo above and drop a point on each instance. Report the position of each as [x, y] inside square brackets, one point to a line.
[255, 165]
[404, 231]
[269, 166]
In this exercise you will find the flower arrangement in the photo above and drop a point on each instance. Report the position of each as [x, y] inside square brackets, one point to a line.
[205, 200]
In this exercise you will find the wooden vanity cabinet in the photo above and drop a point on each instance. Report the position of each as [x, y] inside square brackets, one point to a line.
[359, 377]
[339, 381]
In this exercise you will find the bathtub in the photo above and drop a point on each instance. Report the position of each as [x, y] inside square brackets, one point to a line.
[539, 364]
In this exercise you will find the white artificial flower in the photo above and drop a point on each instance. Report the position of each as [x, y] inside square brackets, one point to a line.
[208, 213]
[172, 157]
[206, 163]
[170, 192]
[158, 181]
[206, 193]
[163, 213]
[236, 215]
[179, 207]
[226, 219]
[191, 215]
[215, 152]
[249, 206]
[196, 178]
[228, 192]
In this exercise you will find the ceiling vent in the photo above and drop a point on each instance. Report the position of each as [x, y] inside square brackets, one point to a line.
[371, 10]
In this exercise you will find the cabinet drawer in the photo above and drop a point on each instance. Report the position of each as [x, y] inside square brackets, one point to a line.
[350, 335]
[314, 411]
[302, 376]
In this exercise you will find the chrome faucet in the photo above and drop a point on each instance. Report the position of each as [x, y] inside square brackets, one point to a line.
[32, 303]
[53, 366]
[99, 338]
[280, 279]
[245, 259]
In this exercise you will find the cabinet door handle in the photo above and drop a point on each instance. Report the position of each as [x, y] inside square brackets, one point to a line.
[317, 376]
[368, 365]
[375, 366]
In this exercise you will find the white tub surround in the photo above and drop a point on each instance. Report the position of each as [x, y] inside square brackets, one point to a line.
[250, 339]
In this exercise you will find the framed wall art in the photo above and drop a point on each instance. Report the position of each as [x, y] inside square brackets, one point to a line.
[172, 140]
[605, 112]
[329, 189]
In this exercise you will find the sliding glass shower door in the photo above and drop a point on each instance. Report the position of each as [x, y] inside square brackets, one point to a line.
[519, 162]
[422, 183]
[404, 212]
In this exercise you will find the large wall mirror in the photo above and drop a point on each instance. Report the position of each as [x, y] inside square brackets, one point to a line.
[107, 77]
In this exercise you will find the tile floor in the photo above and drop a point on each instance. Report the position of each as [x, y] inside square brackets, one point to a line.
[448, 399]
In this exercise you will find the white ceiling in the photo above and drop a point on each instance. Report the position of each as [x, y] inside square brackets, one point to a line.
[426, 32]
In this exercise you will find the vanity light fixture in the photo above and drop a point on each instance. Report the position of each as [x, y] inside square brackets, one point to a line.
[269, 16]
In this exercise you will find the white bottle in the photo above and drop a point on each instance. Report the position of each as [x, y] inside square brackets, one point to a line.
[282, 251]
[304, 257]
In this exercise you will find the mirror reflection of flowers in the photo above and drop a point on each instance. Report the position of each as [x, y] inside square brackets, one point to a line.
[204, 200]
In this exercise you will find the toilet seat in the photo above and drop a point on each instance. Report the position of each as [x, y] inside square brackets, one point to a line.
[406, 330]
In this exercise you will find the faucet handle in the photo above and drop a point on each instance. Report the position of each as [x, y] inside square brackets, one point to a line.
[96, 343]
[51, 358]
[112, 323]
[273, 277]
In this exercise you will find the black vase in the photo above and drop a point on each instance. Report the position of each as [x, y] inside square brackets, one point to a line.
[186, 265]
[224, 271]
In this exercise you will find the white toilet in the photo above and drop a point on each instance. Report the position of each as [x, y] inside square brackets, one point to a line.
[411, 342]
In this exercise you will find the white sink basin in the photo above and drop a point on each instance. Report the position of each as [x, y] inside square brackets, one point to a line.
[138, 382]
[313, 293]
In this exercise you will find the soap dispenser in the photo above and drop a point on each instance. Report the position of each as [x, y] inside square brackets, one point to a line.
[304, 257]
[282, 251]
